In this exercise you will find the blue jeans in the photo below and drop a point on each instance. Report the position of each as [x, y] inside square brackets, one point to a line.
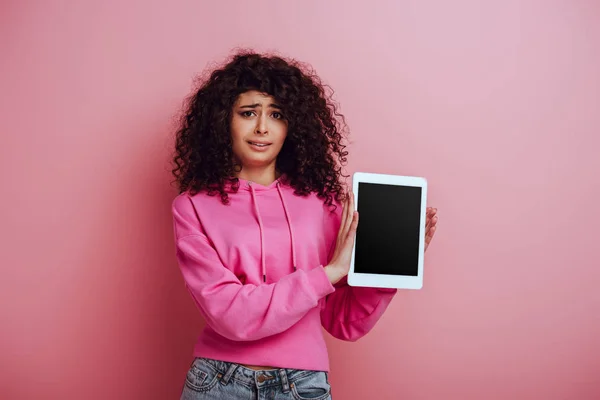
[211, 379]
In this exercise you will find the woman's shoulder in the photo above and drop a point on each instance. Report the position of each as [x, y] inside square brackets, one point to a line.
[186, 201]
[331, 212]
[319, 201]
[182, 205]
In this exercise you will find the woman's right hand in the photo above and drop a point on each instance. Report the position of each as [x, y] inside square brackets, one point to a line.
[339, 265]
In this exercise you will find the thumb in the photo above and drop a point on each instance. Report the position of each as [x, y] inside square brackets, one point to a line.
[353, 227]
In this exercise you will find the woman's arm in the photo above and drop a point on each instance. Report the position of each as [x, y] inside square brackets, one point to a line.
[237, 311]
[351, 312]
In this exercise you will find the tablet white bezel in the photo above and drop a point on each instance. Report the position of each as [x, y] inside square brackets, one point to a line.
[391, 281]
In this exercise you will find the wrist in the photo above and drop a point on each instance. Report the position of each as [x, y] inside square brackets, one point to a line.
[333, 273]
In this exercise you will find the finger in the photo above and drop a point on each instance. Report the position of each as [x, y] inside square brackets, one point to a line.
[430, 214]
[430, 222]
[430, 234]
[353, 227]
[350, 216]
[433, 222]
[344, 216]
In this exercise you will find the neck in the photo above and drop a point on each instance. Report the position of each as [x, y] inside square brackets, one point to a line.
[263, 176]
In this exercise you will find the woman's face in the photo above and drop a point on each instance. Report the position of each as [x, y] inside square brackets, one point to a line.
[258, 130]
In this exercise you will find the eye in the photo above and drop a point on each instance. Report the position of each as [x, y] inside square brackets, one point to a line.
[277, 115]
[247, 113]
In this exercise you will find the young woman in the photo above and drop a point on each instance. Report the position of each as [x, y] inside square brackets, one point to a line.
[264, 232]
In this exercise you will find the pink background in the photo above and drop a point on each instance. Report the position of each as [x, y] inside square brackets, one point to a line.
[497, 103]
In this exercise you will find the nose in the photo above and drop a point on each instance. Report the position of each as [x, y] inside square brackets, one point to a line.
[261, 125]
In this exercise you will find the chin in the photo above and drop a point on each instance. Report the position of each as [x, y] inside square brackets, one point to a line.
[258, 161]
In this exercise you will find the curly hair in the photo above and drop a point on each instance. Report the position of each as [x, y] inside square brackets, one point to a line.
[313, 153]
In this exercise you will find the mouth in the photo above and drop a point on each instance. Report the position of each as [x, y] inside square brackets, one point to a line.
[259, 144]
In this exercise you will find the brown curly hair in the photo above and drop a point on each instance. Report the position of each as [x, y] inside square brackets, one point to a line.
[313, 153]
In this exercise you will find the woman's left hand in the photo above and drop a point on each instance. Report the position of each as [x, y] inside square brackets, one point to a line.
[430, 225]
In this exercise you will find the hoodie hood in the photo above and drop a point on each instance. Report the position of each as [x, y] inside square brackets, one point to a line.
[245, 185]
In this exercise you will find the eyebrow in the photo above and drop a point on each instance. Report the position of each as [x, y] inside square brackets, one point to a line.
[272, 105]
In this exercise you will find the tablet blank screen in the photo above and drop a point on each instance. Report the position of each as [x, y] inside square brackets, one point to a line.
[387, 240]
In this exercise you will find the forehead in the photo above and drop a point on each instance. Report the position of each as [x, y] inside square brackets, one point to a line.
[255, 97]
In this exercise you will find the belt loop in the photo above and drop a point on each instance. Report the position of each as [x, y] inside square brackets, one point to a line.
[284, 380]
[230, 370]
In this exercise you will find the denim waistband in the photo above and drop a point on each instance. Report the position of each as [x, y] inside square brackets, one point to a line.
[256, 378]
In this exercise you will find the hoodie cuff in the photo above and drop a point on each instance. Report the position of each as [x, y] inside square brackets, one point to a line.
[320, 282]
[387, 290]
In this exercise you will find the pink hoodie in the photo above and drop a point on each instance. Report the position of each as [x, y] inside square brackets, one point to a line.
[255, 270]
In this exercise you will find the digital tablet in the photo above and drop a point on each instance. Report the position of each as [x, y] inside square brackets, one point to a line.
[390, 238]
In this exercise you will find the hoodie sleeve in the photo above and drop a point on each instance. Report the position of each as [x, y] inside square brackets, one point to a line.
[351, 312]
[234, 310]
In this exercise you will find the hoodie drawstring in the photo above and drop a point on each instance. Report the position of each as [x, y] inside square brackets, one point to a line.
[289, 220]
[261, 229]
